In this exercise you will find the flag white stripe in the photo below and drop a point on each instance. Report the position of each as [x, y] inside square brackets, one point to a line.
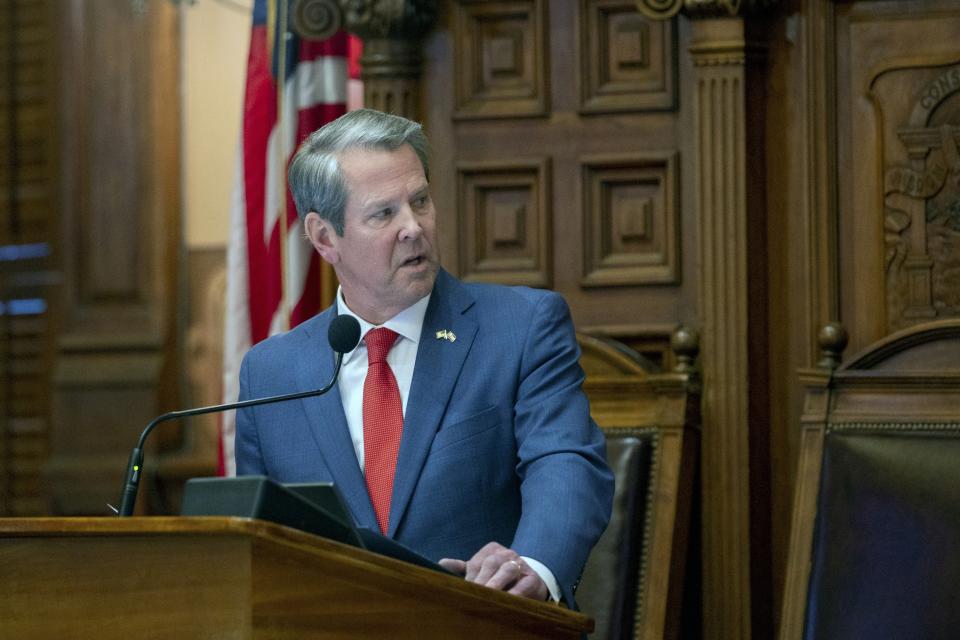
[314, 82]
[237, 312]
[275, 185]
[321, 81]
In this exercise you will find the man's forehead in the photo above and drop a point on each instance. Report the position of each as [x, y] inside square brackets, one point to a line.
[374, 175]
[365, 156]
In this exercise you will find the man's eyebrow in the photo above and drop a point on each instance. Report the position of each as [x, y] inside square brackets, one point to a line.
[376, 205]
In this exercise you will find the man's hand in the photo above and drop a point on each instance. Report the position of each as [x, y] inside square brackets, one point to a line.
[500, 568]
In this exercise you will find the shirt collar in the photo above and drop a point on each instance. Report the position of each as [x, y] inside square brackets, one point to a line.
[408, 323]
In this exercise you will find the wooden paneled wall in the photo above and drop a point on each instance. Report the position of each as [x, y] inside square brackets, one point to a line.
[557, 141]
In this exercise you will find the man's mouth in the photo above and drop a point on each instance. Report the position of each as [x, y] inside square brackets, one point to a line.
[413, 261]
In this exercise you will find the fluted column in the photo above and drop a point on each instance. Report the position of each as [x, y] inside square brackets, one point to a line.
[727, 101]
[735, 476]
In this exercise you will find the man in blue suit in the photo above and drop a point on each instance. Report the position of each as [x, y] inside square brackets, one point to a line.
[473, 444]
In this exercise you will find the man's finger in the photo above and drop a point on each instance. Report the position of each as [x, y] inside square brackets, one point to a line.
[476, 563]
[507, 574]
[501, 570]
[490, 566]
[457, 567]
[530, 586]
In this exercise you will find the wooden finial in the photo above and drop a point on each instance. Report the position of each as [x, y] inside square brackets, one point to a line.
[833, 340]
[685, 343]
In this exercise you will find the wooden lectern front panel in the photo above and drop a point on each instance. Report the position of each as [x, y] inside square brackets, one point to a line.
[234, 578]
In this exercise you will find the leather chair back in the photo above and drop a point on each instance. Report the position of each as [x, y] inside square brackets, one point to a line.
[886, 549]
[611, 580]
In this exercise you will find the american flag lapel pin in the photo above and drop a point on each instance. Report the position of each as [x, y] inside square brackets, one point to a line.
[446, 334]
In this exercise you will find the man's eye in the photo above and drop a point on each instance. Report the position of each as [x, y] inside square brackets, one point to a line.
[421, 202]
[383, 214]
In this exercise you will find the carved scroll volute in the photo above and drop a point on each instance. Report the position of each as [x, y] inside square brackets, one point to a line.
[666, 9]
[659, 9]
[315, 19]
[392, 32]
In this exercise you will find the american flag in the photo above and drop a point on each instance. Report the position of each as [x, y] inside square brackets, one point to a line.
[273, 274]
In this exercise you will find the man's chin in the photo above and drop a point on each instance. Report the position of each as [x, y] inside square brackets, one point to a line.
[420, 278]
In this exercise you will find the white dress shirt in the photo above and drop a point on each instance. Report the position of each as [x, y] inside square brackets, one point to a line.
[401, 358]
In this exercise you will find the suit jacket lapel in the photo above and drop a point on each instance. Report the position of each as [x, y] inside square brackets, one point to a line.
[328, 423]
[437, 368]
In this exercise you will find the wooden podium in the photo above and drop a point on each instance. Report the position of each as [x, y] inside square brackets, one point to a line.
[218, 577]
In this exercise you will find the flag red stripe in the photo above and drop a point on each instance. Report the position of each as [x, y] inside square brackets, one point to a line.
[260, 116]
[337, 45]
[355, 48]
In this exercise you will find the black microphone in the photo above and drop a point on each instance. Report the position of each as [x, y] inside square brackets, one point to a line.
[343, 335]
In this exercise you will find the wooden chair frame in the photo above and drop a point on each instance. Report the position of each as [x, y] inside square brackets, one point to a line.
[626, 398]
[910, 379]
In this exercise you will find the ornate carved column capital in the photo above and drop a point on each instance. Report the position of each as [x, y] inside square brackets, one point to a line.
[395, 19]
[392, 32]
[694, 9]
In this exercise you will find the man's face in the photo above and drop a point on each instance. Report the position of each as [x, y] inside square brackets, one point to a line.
[387, 258]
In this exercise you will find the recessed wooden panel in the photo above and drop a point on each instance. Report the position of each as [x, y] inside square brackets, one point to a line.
[630, 220]
[502, 63]
[505, 232]
[627, 62]
[119, 162]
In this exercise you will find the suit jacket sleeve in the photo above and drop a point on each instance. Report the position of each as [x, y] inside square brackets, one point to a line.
[566, 485]
[248, 457]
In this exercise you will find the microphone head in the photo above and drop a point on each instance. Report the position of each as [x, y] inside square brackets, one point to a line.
[344, 333]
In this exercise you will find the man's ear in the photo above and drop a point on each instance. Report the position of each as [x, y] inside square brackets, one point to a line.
[322, 236]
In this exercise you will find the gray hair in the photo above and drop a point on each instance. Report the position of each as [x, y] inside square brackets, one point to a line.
[315, 177]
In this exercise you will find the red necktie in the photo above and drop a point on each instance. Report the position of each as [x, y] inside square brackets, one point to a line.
[382, 423]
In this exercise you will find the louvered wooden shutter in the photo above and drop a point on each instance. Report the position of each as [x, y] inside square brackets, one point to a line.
[27, 227]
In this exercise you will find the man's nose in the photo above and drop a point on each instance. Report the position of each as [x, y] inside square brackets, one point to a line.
[410, 228]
